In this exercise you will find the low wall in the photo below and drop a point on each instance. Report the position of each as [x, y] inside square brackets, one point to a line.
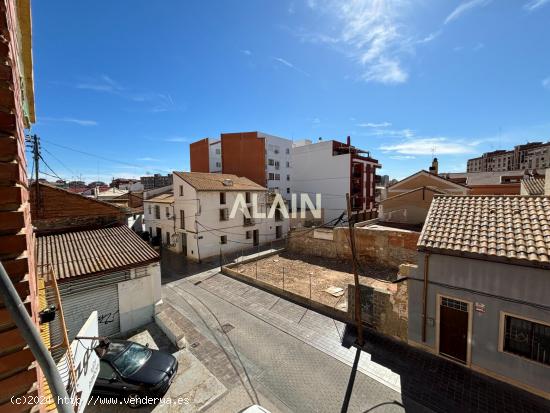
[385, 311]
[295, 298]
[383, 245]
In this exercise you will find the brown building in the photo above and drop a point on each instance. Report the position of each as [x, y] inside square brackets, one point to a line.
[408, 201]
[264, 159]
[19, 372]
[528, 156]
[59, 210]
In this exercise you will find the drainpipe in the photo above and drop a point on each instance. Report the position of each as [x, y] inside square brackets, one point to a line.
[425, 296]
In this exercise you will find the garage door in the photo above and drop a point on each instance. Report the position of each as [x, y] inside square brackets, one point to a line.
[78, 307]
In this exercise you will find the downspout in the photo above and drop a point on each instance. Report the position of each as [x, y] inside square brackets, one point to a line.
[425, 296]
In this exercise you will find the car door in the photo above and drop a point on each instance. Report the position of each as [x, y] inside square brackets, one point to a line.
[108, 382]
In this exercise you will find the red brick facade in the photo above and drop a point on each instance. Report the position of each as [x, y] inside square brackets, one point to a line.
[18, 371]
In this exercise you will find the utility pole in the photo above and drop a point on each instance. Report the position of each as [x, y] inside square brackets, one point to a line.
[357, 295]
[36, 158]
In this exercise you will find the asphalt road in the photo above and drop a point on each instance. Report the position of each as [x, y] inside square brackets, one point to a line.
[293, 374]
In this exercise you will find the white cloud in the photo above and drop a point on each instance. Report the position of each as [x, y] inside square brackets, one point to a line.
[402, 157]
[391, 133]
[81, 122]
[147, 158]
[464, 8]
[427, 146]
[430, 37]
[534, 4]
[375, 125]
[176, 139]
[316, 121]
[546, 83]
[246, 52]
[372, 33]
[290, 65]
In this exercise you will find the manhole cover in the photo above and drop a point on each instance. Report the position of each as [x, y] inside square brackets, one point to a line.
[226, 328]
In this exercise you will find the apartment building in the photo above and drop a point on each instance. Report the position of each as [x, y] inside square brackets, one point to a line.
[332, 169]
[196, 218]
[528, 156]
[265, 159]
[155, 181]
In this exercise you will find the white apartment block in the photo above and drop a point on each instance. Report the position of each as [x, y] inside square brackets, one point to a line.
[332, 169]
[196, 220]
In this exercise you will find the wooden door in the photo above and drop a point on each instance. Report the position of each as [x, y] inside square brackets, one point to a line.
[453, 329]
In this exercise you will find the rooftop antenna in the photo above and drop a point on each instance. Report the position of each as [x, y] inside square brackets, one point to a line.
[433, 151]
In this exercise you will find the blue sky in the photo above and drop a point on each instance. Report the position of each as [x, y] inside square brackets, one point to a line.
[133, 82]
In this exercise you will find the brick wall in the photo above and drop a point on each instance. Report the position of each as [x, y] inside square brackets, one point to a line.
[60, 210]
[18, 370]
[388, 247]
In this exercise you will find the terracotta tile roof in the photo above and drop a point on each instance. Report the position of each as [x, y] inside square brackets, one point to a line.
[162, 198]
[505, 228]
[215, 182]
[533, 186]
[75, 254]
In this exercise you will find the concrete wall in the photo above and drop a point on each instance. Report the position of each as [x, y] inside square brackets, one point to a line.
[214, 155]
[315, 170]
[166, 222]
[410, 208]
[500, 287]
[386, 246]
[137, 298]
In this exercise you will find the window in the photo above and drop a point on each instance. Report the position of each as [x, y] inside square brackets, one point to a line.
[526, 338]
[218, 151]
[149, 209]
[222, 198]
[182, 219]
[288, 177]
[157, 212]
[277, 164]
[247, 196]
[287, 150]
[223, 239]
[224, 214]
[278, 231]
[288, 190]
[167, 212]
[168, 238]
[287, 164]
[277, 177]
[218, 164]
[248, 234]
[271, 176]
[270, 162]
[181, 190]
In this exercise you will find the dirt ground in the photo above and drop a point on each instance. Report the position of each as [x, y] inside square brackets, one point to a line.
[299, 271]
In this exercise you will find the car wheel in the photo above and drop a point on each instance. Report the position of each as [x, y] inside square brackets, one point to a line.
[132, 400]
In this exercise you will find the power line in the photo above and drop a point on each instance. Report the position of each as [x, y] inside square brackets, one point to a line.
[49, 167]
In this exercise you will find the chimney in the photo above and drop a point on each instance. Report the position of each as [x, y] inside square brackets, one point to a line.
[348, 141]
[434, 169]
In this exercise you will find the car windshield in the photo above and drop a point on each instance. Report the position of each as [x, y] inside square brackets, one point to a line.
[132, 359]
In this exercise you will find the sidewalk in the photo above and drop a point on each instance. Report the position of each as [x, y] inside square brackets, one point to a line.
[422, 378]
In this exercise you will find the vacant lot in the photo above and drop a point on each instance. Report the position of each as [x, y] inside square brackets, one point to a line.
[311, 277]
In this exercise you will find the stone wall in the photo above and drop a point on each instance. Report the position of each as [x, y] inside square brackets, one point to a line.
[384, 310]
[383, 245]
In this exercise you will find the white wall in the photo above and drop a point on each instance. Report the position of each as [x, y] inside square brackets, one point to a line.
[204, 229]
[284, 147]
[214, 155]
[317, 171]
[165, 223]
[137, 298]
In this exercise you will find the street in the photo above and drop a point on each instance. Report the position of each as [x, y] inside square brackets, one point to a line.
[291, 356]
